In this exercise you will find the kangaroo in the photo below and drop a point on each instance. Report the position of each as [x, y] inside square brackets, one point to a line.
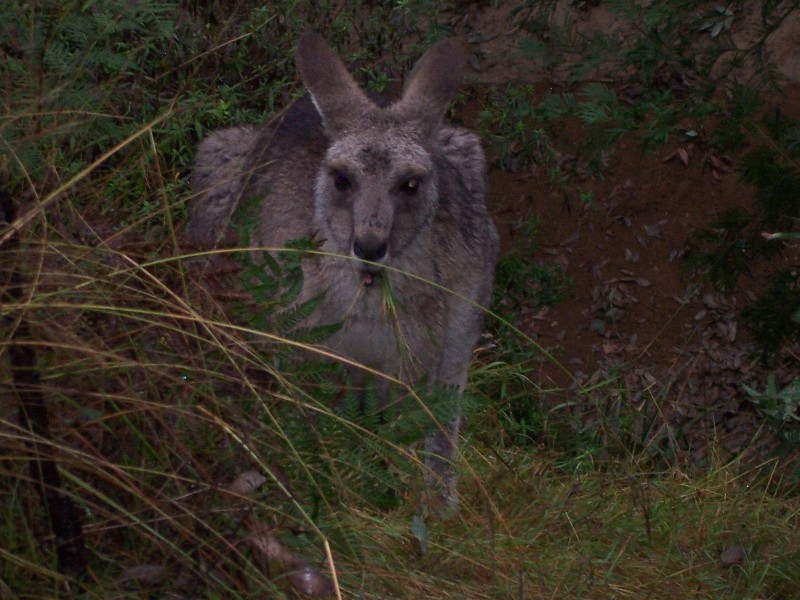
[398, 200]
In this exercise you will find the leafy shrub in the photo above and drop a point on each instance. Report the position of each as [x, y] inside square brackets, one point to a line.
[671, 59]
[735, 244]
[781, 407]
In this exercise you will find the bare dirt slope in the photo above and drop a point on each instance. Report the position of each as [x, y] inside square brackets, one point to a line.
[635, 306]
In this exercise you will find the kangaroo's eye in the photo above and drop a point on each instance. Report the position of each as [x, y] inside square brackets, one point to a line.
[409, 186]
[341, 181]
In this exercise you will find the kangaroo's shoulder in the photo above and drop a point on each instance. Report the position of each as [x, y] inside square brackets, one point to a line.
[464, 161]
[463, 213]
[296, 131]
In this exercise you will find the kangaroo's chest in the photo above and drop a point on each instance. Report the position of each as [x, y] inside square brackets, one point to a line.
[395, 325]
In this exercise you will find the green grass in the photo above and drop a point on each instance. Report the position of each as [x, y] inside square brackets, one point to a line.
[162, 400]
[533, 524]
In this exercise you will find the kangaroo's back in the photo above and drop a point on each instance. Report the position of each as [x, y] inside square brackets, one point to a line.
[239, 165]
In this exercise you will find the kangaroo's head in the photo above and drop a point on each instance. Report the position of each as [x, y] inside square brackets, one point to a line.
[377, 188]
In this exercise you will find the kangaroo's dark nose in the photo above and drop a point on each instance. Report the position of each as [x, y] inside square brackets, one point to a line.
[372, 250]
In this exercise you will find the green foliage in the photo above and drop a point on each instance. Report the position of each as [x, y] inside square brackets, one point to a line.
[598, 424]
[338, 453]
[739, 120]
[781, 407]
[671, 59]
[507, 120]
[275, 284]
[80, 77]
[734, 245]
[775, 173]
[741, 239]
[775, 315]
[78, 53]
[520, 280]
[507, 390]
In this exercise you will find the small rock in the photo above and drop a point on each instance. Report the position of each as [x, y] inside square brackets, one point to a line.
[732, 555]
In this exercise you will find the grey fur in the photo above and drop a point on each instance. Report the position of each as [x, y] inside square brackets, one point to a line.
[392, 185]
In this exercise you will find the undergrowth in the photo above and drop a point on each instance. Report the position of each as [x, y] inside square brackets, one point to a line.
[210, 452]
[521, 280]
[739, 242]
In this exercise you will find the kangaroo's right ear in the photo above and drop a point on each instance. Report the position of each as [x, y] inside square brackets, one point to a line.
[333, 90]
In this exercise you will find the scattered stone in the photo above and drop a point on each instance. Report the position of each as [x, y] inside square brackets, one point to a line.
[732, 555]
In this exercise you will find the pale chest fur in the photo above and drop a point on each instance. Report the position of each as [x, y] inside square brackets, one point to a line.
[395, 326]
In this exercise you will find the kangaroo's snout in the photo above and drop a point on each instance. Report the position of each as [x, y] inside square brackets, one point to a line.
[371, 235]
[370, 248]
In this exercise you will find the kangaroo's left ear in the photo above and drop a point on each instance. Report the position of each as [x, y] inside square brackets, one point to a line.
[335, 93]
[433, 83]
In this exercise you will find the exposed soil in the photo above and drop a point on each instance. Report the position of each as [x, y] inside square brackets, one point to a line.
[635, 304]
[634, 301]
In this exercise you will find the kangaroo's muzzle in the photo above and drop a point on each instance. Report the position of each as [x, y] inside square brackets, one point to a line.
[370, 251]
